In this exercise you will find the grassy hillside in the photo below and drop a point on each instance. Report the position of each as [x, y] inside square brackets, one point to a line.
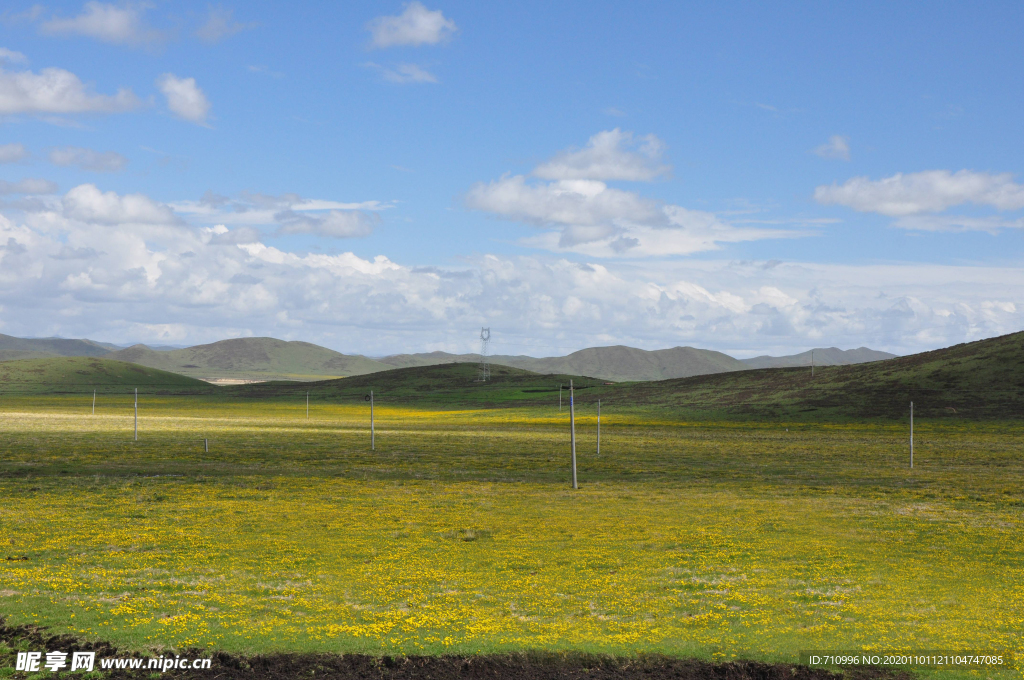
[49, 347]
[16, 354]
[252, 358]
[610, 363]
[823, 356]
[453, 385]
[979, 380]
[983, 379]
[83, 374]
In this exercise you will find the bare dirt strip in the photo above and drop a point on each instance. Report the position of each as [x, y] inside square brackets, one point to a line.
[519, 666]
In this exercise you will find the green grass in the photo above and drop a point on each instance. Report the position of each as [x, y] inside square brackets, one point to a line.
[82, 375]
[459, 534]
[973, 382]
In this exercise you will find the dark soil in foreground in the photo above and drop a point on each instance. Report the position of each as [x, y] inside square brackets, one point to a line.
[521, 666]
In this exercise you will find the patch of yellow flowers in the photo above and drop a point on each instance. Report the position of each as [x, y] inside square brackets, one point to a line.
[751, 564]
[335, 564]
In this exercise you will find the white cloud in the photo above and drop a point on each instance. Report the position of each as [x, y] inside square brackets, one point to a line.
[12, 57]
[184, 98]
[609, 155]
[220, 235]
[566, 202]
[87, 159]
[415, 26]
[55, 90]
[12, 153]
[404, 74]
[104, 265]
[334, 224]
[593, 218]
[28, 186]
[837, 147]
[923, 192]
[119, 281]
[287, 212]
[87, 203]
[118, 25]
[220, 24]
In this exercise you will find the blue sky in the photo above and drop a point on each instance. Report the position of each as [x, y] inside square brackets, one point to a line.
[386, 177]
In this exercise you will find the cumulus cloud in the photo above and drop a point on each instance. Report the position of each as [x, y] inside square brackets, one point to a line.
[220, 235]
[589, 216]
[184, 98]
[12, 153]
[415, 26]
[12, 57]
[28, 186]
[120, 282]
[404, 74]
[114, 24]
[924, 192]
[220, 24]
[566, 202]
[54, 90]
[837, 147]
[87, 203]
[333, 224]
[87, 159]
[608, 155]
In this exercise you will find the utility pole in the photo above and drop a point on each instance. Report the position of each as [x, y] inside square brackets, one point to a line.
[560, 397]
[572, 434]
[136, 414]
[911, 435]
[599, 427]
[307, 405]
[373, 443]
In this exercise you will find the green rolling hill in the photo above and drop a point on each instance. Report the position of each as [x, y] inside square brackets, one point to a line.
[977, 380]
[610, 363]
[12, 348]
[271, 359]
[252, 359]
[84, 374]
[445, 385]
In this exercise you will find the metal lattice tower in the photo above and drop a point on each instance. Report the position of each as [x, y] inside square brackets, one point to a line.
[485, 367]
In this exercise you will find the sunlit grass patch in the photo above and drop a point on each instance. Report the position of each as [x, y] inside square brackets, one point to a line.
[459, 533]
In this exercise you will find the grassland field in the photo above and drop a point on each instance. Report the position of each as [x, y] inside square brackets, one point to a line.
[460, 533]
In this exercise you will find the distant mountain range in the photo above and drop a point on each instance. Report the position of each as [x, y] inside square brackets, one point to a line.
[271, 359]
[616, 363]
[252, 358]
[38, 348]
[829, 356]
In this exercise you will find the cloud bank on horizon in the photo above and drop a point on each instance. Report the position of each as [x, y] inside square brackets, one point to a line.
[156, 185]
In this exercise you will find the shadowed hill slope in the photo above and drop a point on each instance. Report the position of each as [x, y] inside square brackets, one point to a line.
[983, 379]
[453, 385]
[823, 356]
[978, 380]
[252, 358]
[610, 363]
[84, 374]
